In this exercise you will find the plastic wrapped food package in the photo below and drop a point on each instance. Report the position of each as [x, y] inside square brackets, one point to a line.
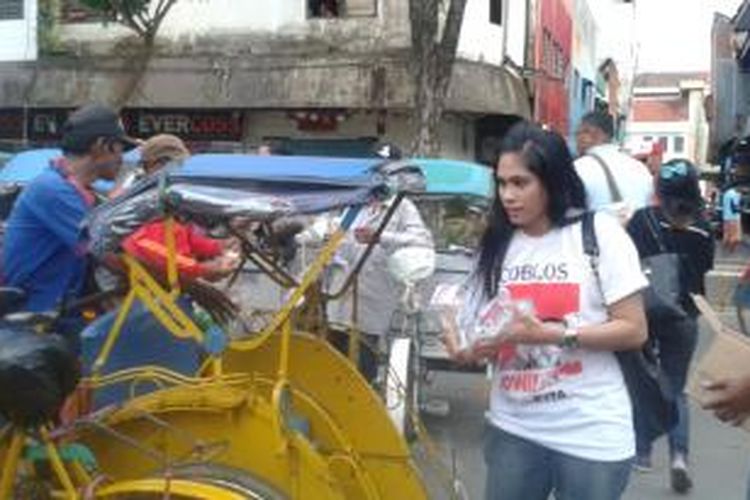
[492, 318]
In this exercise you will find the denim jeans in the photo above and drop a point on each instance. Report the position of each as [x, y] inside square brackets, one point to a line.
[676, 343]
[518, 469]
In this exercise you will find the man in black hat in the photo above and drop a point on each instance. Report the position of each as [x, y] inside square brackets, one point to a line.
[43, 253]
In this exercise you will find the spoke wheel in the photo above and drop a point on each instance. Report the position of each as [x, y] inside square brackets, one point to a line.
[402, 387]
[194, 482]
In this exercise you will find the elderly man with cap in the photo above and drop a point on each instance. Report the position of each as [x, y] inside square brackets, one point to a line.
[156, 152]
[200, 256]
[43, 253]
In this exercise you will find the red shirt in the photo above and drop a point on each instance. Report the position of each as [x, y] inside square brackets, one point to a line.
[148, 244]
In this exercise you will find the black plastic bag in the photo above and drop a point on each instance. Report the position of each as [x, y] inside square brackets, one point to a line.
[37, 373]
[663, 297]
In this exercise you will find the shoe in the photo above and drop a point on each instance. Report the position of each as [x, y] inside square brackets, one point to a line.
[642, 464]
[679, 476]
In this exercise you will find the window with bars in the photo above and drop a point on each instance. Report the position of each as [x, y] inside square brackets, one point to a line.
[74, 11]
[496, 12]
[679, 144]
[11, 9]
[341, 8]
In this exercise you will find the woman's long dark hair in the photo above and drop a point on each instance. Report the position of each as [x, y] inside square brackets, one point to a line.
[547, 156]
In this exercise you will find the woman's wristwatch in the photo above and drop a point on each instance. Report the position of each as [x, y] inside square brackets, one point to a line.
[569, 339]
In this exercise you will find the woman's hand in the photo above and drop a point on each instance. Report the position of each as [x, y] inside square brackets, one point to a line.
[450, 338]
[528, 329]
[524, 329]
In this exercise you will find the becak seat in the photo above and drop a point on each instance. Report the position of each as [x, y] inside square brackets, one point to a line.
[11, 299]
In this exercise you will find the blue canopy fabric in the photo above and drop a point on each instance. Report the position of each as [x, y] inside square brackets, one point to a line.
[211, 188]
[229, 168]
[23, 167]
[454, 177]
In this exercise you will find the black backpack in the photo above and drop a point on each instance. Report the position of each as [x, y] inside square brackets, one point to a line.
[653, 400]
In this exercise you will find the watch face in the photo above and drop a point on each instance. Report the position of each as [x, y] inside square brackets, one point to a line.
[570, 338]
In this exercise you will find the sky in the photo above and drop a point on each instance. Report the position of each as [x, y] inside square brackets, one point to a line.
[675, 35]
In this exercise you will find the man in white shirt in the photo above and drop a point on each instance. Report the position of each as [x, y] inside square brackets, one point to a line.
[632, 182]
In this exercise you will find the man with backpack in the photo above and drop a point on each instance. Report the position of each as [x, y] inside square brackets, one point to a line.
[614, 181]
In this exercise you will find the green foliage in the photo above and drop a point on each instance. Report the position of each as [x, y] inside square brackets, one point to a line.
[132, 6]
[47, 26]
[101, 5]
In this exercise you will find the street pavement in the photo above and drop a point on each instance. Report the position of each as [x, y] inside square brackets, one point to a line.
[720, 455]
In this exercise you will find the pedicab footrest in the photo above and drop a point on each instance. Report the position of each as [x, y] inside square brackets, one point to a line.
[37, 373]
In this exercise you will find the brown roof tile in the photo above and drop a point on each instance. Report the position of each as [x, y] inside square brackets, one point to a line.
[660, 110]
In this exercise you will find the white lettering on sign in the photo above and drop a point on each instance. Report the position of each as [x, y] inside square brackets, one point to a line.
[149, 124]
[189, 125]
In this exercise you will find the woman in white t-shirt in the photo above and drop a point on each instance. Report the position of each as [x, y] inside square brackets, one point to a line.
[559, 417]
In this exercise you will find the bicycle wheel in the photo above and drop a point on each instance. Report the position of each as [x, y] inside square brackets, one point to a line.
[194, 482]
[402, 386]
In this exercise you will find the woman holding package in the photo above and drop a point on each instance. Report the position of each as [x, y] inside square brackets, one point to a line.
[675, 226]
[559, 418]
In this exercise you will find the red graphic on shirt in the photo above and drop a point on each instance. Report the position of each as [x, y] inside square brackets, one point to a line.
[552, 301]
[532, 369]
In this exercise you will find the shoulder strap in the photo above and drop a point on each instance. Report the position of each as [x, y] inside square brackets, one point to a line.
[614, 191]
[590, 243]
[591, 246]
[655, 229]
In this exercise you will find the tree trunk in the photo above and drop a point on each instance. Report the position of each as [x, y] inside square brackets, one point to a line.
[429, 103]
[433, 60]
[146, 24]
[135, 65]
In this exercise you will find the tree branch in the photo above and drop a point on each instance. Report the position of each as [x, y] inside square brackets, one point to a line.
[123, 9]
[162, 9]
[449, 41]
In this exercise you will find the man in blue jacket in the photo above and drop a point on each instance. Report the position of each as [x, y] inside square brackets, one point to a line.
[43, 252]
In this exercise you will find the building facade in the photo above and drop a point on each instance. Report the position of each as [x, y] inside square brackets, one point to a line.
[18, 26]
[552, 57]
[315, 76]
[668, 109]
[584, 63]
[729, 105]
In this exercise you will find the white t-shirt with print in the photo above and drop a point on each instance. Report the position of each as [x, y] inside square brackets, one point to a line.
[570, 400]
